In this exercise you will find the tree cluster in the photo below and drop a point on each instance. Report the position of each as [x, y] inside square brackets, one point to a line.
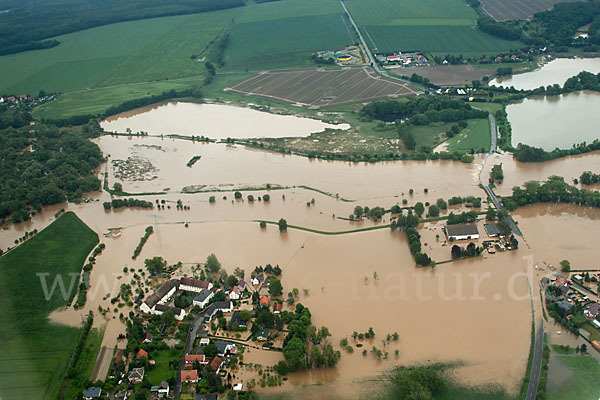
[462, 218]
[589, 178]
[460, 252]
[504, 31]
[554, 190]
[119, 203]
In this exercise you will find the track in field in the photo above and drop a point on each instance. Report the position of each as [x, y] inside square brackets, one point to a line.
[322, 87]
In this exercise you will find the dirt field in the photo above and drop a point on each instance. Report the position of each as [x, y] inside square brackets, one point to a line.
[503, 10]
[446, 75]
[321, 87]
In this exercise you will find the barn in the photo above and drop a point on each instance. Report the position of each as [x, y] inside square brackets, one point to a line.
[461, 232]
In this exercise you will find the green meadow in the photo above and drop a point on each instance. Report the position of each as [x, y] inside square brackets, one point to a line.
[35, 353]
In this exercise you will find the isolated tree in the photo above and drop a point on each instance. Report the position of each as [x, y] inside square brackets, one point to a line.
[237, 195]
[419, 209]
[282, 225]
[456, 251]
[434, 211]
[212, 263]
[565, 266]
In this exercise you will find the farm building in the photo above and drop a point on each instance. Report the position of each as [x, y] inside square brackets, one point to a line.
[461, 232]
[160, 308]
[193, 285]
[493, 230]
[161, 296]
[203, 298]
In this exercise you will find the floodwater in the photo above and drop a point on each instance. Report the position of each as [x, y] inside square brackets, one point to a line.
[551, 122]
[556, 71]
[476, 311]
[216, 121]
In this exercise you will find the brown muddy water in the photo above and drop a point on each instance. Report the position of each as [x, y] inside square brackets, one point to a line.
[556, 71]
[216, 121]
[551, 122]
[477, 312]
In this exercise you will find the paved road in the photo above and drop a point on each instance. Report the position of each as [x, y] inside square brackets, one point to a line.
[360, 37]
[536, 366]
[499, 207]
[196, 325]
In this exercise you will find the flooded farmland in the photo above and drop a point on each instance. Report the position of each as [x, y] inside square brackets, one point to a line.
[551, 122]
[354, 281]
[216, 121]
[555, 71]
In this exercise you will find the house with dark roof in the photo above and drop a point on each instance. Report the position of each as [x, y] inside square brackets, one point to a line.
[203, 297]
[206, 396]
[193, 285]
[591, 311]
[461, 232]
[147, 338]
[493, 230]
[178, 312]
[263, 335]
[161, 390]
[212, 310]
[236, 321]
[564, 305]
[160, 296]
[225, 348]
[92, 392]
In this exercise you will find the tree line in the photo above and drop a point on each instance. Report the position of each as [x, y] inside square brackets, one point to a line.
[527, 153]
[589, 178]
[119, 203]
[28, 23]
[42, 166]
[554, 190]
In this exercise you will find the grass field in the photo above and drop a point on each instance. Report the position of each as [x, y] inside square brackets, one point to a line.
[322, 87]
[34, 353]
[161, 371]
[582, 382]
[432, 26]
[503, 10]
[475, 136]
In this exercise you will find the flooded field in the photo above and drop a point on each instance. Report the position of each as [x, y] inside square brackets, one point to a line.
[556, 71]
[551, 122]
[216, 121]
[353, 281]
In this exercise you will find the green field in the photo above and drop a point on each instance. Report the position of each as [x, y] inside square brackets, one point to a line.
[161, 371]
[437, 27]
[475, 136]
[34, 353]
[582, 384]
[85, 364]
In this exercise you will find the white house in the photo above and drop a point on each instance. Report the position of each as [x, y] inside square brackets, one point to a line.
[235, 293]
[161, 308]
[194, 285]
[203, 298]
[462, 232]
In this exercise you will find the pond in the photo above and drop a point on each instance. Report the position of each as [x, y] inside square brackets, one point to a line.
[216, 121]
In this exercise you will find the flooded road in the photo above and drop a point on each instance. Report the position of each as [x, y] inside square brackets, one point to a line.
[556, 71]
[560, 121]
[216, 121]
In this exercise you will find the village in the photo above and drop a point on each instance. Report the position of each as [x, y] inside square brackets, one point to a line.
[189, 337]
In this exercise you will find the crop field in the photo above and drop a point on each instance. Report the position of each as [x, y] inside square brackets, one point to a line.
[504, 10]
[436, 27]
[34, 353]
[445, 75]
[322, 87]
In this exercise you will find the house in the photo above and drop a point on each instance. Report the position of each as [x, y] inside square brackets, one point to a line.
[238, 387]
[160, 296]
[236, 320]
[277, 308]
[92, 392]
[189, 376]
[203, 297]
[206, 396]
[393, 58]
[119, 356]
[263, 335]
[578, 278]
[224, 306]
[210, 312]
[242, 285]
[147, 338]
[122, 395]
[235, 293]
[591, 311]
[461, 232]
[264, 301]
[161, 390]
[493, 230]
[564, 305]
[190, 359]
[254, 280]
[141, 354]
[204, 341]
[225, 348]
[136, 375]
[178, 312]
[216, 364]
[194, 285]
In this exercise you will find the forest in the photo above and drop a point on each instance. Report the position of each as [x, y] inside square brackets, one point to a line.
[25, 23]
[41, 166]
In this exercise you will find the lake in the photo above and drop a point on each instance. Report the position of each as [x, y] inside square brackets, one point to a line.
[560, 121]
[556, 71]
[216, 121]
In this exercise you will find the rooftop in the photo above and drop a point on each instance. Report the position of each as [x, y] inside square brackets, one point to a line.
[157, 296]
[462, 230]
[203, 295]
[493, 229]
